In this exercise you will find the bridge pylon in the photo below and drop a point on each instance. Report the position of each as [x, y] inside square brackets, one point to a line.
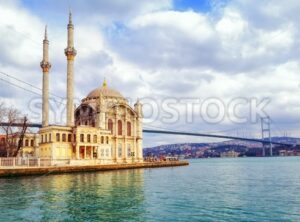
[266, 134]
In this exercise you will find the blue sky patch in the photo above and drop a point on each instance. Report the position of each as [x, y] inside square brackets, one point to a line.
[196, 5]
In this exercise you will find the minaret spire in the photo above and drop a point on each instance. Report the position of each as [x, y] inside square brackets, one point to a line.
[70, 16]
[46, 34]
[45, 65]
[70, 52]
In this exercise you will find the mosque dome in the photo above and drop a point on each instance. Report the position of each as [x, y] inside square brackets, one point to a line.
[105, 91]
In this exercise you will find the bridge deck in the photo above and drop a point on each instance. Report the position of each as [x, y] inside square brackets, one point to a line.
[36, 125]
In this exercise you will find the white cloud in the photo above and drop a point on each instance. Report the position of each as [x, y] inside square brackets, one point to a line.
[193, 25]
[148, 48]
[18, 41]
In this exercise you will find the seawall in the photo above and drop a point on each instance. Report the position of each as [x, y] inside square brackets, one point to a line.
[15, 172]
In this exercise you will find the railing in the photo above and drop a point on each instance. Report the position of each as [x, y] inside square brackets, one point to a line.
[28, 162]
[18, 162]
[11, 162]
[45, 162]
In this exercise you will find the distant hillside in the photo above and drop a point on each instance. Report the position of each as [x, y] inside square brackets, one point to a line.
[293, 140]
[175, 149]
[203, 150]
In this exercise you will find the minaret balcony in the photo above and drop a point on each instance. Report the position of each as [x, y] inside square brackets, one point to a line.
[70, 52]
[45, 65]
[70, 26]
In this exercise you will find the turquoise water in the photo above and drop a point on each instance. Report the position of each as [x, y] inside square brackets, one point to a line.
[244, 189]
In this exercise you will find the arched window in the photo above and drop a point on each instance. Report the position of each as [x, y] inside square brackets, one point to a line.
[81, 138]
[42, 139]
[119, 127]
[88, 138]
[128, 150]
[95, 139]
[102, 139]
[110, 125]
[46, 139]
[31, 143]
[64, 138]
[69, 138]
[120, 150]
[26, 143]
[107, 140]
[128, 128]
[77, 114]
[57, 137]
[50, 138]
[90, 111]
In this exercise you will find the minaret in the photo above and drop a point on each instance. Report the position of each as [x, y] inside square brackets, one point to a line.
[70, 52]
[45, 65]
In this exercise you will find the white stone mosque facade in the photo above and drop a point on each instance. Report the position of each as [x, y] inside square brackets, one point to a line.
[103, 129]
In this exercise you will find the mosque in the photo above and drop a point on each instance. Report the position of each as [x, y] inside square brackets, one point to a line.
[103, 129]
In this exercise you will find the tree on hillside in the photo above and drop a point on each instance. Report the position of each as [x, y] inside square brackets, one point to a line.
[14, 127]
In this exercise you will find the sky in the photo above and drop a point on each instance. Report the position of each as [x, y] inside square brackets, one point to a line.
[231, 61]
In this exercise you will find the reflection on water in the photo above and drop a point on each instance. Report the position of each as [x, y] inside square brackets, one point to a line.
[108, 196]
[242, 189]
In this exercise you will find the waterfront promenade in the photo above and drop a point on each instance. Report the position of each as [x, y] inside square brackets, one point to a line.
[34, 167]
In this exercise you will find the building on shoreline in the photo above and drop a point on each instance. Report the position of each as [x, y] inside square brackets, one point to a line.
[229, 154]
[103, 128]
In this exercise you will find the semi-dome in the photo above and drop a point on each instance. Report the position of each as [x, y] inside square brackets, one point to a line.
[105, 91]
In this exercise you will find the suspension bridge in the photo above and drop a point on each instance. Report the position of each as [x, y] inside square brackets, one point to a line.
[267, 141]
